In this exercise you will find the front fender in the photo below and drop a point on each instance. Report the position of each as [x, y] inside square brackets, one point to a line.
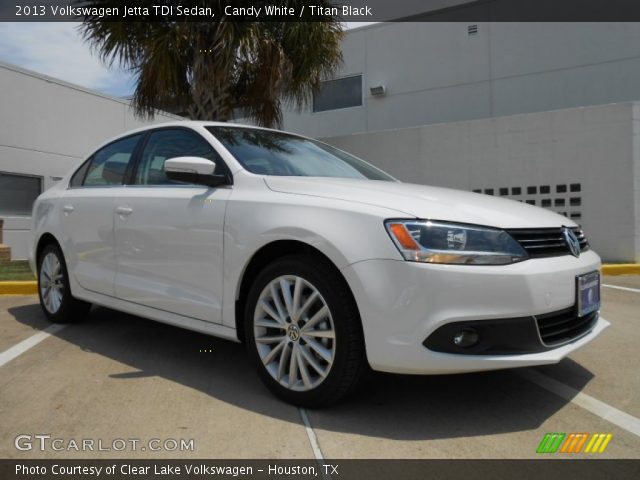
[344, 232]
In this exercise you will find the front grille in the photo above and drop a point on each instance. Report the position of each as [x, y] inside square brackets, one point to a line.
[546, 242]
[564, 326]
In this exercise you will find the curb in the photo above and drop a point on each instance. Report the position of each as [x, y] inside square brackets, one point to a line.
[621, 269]
[19, 288]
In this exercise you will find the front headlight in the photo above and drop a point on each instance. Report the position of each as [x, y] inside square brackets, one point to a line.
[440, 242]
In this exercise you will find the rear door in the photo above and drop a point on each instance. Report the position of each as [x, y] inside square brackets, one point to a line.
[169, 235]
[88, 215]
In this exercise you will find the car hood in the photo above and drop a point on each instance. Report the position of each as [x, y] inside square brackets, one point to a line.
[423, 201]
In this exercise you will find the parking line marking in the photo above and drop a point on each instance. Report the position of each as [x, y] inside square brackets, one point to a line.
[32, 341]
[626, 289]
[603, 410]
[313, 440]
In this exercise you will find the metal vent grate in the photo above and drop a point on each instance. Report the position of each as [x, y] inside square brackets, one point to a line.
[564, 198]
[472, 29]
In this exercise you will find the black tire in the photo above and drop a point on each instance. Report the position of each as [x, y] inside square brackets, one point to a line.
[349, 366]
[69, 309]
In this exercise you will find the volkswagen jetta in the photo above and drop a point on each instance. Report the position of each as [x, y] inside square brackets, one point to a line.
[324, 265]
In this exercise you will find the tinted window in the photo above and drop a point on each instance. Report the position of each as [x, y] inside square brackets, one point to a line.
[17, 193]
[165, 144]
[276, 153]
[78, 177]
[109, 164]
[340, 93]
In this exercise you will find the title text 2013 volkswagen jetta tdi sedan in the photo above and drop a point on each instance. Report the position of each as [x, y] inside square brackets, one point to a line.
[323, 264]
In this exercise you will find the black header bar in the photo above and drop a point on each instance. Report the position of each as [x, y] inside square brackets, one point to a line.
[316, 10]
[538, 469]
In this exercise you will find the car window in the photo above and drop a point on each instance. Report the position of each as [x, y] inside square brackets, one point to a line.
[165, 144]
[78, 177]
[267, 152]
[109, 164]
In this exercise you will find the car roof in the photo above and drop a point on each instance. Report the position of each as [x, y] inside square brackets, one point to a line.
[182, 123]
[195, 123]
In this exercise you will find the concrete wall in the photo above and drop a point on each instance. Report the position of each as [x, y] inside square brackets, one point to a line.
[436, 72]
[47, 127]
[498, 110]
[597, 147]
[636, 177]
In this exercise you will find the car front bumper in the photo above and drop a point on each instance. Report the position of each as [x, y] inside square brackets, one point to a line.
[402, 303]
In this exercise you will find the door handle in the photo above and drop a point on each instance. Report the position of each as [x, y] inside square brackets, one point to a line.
[124, 211]
[67, 209]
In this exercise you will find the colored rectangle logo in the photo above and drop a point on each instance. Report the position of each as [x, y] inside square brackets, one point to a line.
[574, 443]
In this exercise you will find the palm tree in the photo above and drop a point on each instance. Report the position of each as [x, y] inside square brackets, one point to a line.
[211, 69]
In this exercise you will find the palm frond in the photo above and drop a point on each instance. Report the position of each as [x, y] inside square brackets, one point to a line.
[209, 69]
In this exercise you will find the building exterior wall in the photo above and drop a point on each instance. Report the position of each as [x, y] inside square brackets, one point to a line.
[47, 127]
[596, 147]
[636, 177]
[437, 72]
[502, 109]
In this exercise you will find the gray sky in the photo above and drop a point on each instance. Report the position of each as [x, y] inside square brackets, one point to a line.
[56, 49]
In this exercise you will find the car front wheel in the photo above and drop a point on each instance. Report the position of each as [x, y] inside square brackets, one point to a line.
[303, 332]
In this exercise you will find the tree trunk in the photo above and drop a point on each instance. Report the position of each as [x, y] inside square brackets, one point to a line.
[210, 90]
[210, 102]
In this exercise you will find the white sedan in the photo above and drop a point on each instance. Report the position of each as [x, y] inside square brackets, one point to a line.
[321, 263]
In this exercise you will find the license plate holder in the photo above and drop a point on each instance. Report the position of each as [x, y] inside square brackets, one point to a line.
[588, 293]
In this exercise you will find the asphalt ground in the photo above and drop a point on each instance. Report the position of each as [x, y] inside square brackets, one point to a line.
[117, 376]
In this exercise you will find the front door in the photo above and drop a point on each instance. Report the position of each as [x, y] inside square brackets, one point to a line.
[169, 236]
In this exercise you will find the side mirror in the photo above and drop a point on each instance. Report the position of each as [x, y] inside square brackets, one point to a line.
[193, 170]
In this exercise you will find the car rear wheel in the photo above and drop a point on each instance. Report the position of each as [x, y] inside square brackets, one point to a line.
[53, 288]
[304, 333]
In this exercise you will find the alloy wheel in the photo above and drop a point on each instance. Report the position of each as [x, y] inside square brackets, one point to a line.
[51, 282]
[294, 333]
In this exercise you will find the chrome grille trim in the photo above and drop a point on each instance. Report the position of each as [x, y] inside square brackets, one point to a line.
[546, 242]
[559, 328]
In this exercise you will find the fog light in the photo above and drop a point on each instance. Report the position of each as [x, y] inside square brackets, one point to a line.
[466, 338]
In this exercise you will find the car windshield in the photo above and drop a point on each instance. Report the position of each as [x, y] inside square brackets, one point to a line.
[267, 152]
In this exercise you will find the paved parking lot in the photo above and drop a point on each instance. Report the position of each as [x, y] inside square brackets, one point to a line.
[119, 376]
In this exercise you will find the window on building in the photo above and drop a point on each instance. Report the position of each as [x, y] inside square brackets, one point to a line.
[340, 93]
[17, 193]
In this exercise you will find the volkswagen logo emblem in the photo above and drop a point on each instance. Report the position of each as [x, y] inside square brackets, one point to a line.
[293, 332]
[572, 241]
